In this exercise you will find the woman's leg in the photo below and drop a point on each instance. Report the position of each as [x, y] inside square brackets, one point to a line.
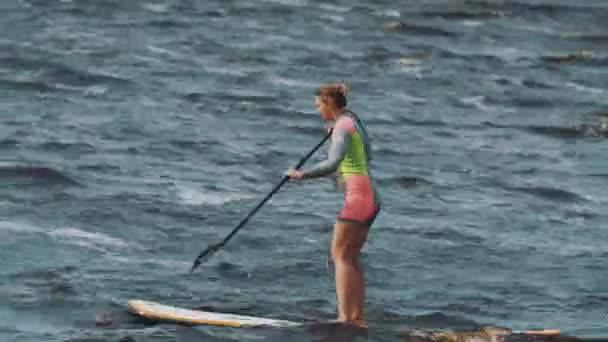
[349, 238]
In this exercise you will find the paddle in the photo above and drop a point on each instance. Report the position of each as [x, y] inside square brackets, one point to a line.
[214, 248]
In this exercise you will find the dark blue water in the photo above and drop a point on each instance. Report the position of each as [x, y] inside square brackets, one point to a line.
[134, 133]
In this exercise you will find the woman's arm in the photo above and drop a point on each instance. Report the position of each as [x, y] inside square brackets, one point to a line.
[340, 140]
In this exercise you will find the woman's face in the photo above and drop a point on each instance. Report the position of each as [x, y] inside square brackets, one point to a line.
[324, 108]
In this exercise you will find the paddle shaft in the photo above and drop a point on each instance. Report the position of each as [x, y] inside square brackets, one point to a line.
[214, 248]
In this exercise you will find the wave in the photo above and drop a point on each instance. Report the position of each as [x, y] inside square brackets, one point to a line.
[569, 58]
[591, 38]
[418, 123]
[530, 8]
[36, 174]
[535, 84]
[26, 85]
[431, 320]
[50, 74]
[417, 29]
[583, 130]
[262, 11]
[198, 146]
[548, 193]
[232, 97]
[95, 241]
[42, 287]
[190, 196]
[450, 235]
[8, 142]
[472, 58]
[74, 77]
[18, 227]
[549, 7]
[463, 13]
[46, 274]
[63, 146]
[575, 131]
[403, 181]
[531, 102]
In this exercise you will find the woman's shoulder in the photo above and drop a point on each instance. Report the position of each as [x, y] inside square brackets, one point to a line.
[347, 123]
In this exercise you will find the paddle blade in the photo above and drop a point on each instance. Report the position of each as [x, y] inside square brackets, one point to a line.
[204, 256]
[195, 265]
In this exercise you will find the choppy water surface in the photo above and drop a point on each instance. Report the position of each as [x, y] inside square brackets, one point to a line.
[134, 133]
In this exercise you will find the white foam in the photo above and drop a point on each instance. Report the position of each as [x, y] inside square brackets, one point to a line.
[17, 227]
[407, 98]
[334, 8]
[582, 88]
[172, 264]
[96, 240]
[472, 23]
[477, 102]
[96, 90]
[188, 195]
[415, 70]
[227, 71]
[389, 13]
[163, 52]
[332, 17]
[297, 3]
[156, 8]
[292, 82]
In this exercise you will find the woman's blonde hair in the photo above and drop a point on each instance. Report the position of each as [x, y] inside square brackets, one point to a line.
[334, 92]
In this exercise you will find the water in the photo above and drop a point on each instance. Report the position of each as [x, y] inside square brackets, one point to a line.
[133, 134]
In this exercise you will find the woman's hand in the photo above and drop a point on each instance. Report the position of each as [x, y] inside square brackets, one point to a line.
[295, 174]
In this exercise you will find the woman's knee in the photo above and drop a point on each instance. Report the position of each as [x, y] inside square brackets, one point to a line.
[343, 250]
[340, 252]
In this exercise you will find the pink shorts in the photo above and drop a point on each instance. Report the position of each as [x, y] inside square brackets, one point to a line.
[359, 201]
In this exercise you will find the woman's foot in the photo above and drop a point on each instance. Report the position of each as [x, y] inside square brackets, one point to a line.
[359, 324]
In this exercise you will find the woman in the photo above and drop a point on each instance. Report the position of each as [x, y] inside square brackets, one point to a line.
[349, 153]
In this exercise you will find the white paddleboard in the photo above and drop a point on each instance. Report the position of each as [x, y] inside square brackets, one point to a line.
[173, 314]
[167, 313]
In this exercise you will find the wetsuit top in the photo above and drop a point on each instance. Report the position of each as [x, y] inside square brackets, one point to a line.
[349, 152]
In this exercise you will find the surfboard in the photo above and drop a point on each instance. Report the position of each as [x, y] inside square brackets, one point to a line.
[166, 313]
[172, 314]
